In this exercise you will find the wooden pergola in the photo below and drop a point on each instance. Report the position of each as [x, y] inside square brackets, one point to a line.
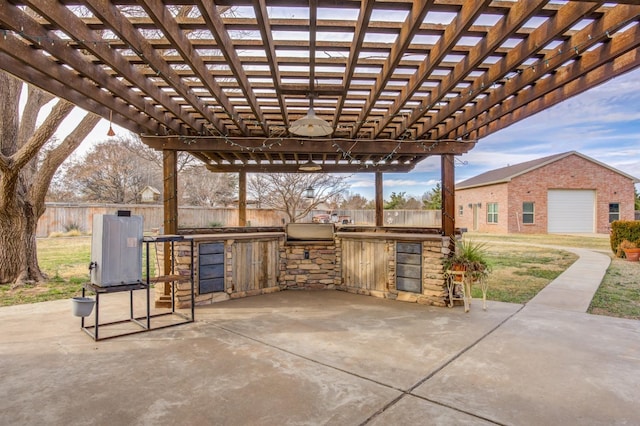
[397, 80]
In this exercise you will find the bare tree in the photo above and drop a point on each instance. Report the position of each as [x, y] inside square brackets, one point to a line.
[24, 180]
[200, 187]
[136, 147]
[285, 192]
[110, 173]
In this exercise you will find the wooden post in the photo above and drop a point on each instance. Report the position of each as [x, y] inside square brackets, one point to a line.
[379, 200]
[448, 198]
[170, 203]
[242, 198]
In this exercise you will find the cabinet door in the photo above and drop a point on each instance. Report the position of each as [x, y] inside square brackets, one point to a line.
[210, 267]
[409, 267]
[364, 264]
[255, 264]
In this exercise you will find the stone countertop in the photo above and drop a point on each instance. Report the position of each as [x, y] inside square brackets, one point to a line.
[389, 236]
[236, 236]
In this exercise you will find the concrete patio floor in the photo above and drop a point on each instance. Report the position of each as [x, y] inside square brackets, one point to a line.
[324, 357]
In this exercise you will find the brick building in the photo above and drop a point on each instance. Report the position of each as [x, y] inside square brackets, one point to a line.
[562, 193]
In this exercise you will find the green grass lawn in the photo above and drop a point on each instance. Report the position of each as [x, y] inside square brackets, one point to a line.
[65, 260]
[619, 293]
[520, 272]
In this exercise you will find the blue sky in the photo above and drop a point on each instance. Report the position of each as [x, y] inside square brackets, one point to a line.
[602, 123]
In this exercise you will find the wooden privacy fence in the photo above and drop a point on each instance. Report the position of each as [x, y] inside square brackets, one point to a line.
[61, 217]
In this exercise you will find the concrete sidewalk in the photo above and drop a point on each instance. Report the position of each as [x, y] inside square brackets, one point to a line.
[325, 357]
[575, 287]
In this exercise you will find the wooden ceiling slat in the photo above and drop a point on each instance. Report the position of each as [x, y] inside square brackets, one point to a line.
[586, 38]
[26, 72]
[216, 25]
[587, 63]
[517, 16]
[411, 25]
[313, 28]
[260, 8]
[19, 21]
[566, 17]
[364, 19]
[471, 9]
[620, 65]
[117, 23]
[164, 21]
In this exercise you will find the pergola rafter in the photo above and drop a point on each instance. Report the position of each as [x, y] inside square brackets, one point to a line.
[528, 80]
[426, 71]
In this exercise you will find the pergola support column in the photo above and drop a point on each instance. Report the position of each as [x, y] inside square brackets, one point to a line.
[379, 200]
[448, 198]
[170, 204]
[242, 198]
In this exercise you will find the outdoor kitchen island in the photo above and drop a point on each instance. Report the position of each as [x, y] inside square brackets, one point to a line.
[389, 262]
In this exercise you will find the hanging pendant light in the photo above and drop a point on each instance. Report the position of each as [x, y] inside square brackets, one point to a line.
[311, 125]
[110, 132]
[310, 166]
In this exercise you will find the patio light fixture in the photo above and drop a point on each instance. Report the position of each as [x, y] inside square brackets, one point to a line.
[311, 125]
[310, 166]
[309, 192]
[110, 132]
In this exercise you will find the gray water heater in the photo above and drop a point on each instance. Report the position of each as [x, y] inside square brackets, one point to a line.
[116, 249]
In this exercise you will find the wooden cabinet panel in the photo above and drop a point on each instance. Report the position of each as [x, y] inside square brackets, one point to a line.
[255, 264]
[364, 264]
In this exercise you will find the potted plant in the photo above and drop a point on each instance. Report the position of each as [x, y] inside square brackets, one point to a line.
[471, 257]
[631, 250]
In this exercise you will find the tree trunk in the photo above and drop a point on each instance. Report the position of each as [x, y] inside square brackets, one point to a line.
[22, 185]
[18, 258]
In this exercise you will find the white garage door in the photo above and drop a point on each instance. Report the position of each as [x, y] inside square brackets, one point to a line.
[571, 210]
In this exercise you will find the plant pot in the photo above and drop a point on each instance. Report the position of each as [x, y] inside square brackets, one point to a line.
[82, 306]
[632, 254]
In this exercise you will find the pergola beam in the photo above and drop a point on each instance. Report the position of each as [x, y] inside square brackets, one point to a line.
[586, 38]
[216, 25]
[260, 8]
[471, 9]
[113, 18]
[411, 25]
[521, 110]
[77, 29]
[502, 31]
[308, 146]
[164, 21]
[364, 19]
[25, 71]
[582, 65]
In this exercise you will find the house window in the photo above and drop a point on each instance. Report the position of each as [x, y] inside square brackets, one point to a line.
[492, 212]
[460, 209]
[527, 212]
[614, 212]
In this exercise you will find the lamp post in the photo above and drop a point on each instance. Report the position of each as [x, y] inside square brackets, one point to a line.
[309, 192]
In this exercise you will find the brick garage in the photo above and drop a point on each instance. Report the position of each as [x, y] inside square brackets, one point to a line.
[566, 192]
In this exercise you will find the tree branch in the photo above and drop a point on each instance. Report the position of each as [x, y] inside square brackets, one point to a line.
[31, 148]
[36, 99]
[57, 156]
